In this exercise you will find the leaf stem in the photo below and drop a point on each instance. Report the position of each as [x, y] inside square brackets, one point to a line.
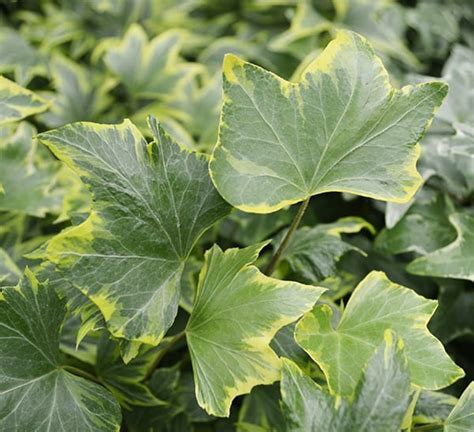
[176, 338]
[283, 245]
[81, 373]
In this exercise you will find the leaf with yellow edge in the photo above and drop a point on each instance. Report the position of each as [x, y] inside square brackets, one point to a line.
[342, 128]
[151, 202]
[377, 304]
[461, 418]
[17, 102]
[237, 312]
[149, 68]
[455, 260]
[381, 399]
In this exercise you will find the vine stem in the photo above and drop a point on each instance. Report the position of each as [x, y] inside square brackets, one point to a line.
[81, 373]
[283, 245]
[176, 338]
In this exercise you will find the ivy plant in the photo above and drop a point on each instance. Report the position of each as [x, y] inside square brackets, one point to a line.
[236, 216]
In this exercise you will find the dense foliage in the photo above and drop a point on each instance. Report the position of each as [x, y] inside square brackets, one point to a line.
[252, 215]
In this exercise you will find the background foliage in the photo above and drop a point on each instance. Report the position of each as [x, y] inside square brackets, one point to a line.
[107, 60]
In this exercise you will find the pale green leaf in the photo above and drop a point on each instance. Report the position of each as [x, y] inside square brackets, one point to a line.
[237, 312]
[461, 418]
[18, 102]
[149, 68]
[36, 393]
[151, 203]
[455, 260]
[9, 271]
[381, 399]
[343, 128]
[377, 304]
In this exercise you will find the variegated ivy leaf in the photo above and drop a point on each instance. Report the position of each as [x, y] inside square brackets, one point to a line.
[433, 407]
[19, 57]
[314, 252]
[236, 313]
[36, 392]
[17, 102]
[80, 94]
[148, 68]
[461, 418]
[28, 182]
[9, 271]
[424, 228]
[151, 203]
[377, 304]
[455, 260]
[381, 399]
[381, 22]
[342, 128]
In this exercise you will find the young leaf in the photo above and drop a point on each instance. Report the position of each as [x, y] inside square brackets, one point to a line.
[381, 399]
[36, 393]
[237, 312]
[314, 252]
[455, 260]
[148, 68]
[377, 304]
[343, 128]
[461, 418]
[17, 102]
[151, 203]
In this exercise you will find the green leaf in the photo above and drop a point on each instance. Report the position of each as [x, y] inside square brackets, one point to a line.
[314, 252]
[424, 228]
[28, 182]
[461, 418]
[381, 22]
[9, 271]
[343, 128]
[18, 102]
[377, 304]
[36, 393]
[381, 399]
[261, 409]
[454, 260]
[454, 317]
[149, 68]
[237, 312]
[433, 407]
[80, 94]
[19, 57]
[151, 203]
[125, 381]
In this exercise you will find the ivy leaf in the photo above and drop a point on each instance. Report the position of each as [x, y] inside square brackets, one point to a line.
[151, 203]
[381, 398]
[17, 102]
[237, 312]
[454, 260]
[461, 418]
[433, 407]
[9, 271]
[314, 252]
[377, 304]
[382, 23]
[149, 68]
[343, 128]
[28, 182]
[80, 95]
[19, 57]
[424, 228]
[36, 393]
